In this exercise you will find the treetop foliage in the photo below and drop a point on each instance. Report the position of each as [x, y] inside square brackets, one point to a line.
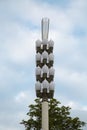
[59, 117]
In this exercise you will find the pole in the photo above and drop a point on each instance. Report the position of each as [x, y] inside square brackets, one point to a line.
[45, 28]
[45, 124]
[45, 72]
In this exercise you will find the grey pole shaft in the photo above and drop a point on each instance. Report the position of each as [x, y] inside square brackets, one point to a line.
[45, 120]
[45, 28]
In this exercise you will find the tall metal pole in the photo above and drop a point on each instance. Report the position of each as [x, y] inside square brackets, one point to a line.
[45, 116]
[44, 71]
[45, 124]
[45, 28]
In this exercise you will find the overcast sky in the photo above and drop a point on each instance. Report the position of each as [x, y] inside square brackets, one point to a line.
[20, 27]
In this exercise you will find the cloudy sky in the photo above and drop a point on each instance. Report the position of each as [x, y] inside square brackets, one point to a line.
[20, 27]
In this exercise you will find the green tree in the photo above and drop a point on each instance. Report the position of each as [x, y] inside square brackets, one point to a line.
[59, 117]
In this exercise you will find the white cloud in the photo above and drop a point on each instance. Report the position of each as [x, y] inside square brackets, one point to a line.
[24, 97]
[77, 12]
[72, 81]
[84, 108]
[73, 104]
[21, 97]
[76, 106]
[19, 45]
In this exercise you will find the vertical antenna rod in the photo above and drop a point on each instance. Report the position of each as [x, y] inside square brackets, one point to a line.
[45, 28]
